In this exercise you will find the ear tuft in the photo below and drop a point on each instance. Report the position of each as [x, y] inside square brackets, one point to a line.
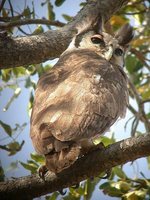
[98, 25]
[88, 25]
[125, 34]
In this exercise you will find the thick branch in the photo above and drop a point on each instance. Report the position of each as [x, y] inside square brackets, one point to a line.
[21, 22]
[35, 49]
[90, 165]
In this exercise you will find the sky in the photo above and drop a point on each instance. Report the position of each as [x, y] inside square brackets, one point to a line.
[17, 110]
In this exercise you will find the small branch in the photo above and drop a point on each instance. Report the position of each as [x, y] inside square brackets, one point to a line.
[90, 165]
[21, 22]
[146, 101]
[8, 19]
[141, 114]
[11, 8]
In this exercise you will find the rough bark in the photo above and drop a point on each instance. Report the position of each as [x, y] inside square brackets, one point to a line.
[23, 51]
[90, 165]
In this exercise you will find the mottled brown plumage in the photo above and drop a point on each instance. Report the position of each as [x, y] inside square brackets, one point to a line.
[79, 98]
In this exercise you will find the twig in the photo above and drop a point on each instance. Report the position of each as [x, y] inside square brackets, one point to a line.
[8, 19]
[22, 31]
[141, 113]
[11, 8]
[140, 57]
[2, 4]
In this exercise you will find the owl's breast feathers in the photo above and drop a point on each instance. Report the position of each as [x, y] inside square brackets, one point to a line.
[80, 97]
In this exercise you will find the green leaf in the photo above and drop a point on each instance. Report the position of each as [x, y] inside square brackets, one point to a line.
[105, 140]
[144, 90]
[83, 4]
[135, 195]
[141, 193]
[14, 147]
[4, 13]
[31, 70]
[110, 189]
[123, 186]
[39, 29]
[40, 69]
[148, 115]
[51, 14]
[59, 2]
[12, 166]
[27, 12]
[19, 71]
[33, 10]
[148, 162]
[30, 83]
[15, 95]
[119, 172]
[30, 104]
[133, 64]
[6, 127]
[6, 74]
[38, 158]
[32, 167]
[67, 17]
[89, 187]
[76, 192]
[53, 196]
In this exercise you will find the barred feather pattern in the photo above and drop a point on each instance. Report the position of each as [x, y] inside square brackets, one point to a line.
[78, 99]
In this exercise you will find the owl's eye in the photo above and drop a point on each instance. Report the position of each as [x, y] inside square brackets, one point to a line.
[118, 52]
[97, 40]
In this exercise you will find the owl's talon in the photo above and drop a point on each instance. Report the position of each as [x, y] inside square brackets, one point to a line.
[42, 170]
[62, 192]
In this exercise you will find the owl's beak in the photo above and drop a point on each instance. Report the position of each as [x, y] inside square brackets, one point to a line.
[109, 53]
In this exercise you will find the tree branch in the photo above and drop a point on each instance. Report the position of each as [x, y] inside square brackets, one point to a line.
[21, 22]
[38, 48]
[90, 165]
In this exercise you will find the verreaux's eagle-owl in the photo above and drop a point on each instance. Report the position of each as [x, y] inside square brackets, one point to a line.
[80, 97]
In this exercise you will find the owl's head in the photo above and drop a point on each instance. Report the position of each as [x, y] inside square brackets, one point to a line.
[112, 48]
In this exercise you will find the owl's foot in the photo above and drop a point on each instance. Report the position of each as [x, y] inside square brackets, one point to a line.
[42, 170]
[58, 161]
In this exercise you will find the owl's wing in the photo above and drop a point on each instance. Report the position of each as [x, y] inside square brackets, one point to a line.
[70, 105]
[61, 99]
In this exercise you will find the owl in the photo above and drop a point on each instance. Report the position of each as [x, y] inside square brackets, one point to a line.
[81, 97]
